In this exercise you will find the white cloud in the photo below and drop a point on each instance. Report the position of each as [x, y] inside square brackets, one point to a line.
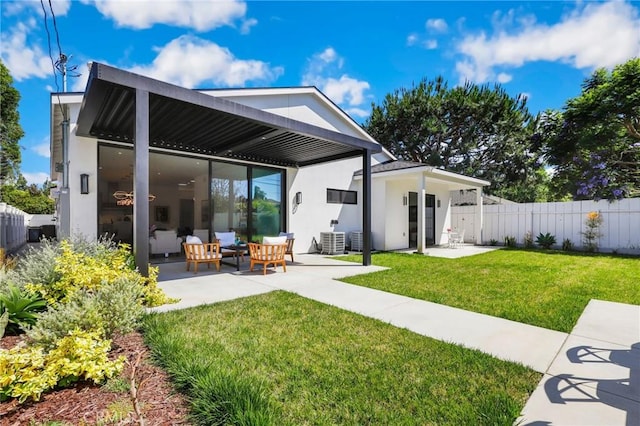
[37, 177]
[503, 77]
[412, 39]
[201, 15]
[42, 149]
[430, 44]
[322, 71]
[594, 35]
[345, 89]
[60, 7]
[190, 61]
[358, 112]
[437, 25]
[247, 24]
[22, 59]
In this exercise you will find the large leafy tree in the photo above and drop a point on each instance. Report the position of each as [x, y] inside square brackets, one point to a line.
[594, 143]
[10, 130]
[478, 131]
[29, 198]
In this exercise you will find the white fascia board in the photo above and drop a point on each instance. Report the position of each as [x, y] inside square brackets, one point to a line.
[396, 173]
[67, 98]
[458, 178]
[431, 173]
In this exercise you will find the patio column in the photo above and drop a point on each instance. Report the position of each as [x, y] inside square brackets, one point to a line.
[479, 216]
[141, 183]
[421, 212]
[366, 207]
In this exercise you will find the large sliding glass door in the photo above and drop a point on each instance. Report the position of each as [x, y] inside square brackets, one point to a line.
[190, 196]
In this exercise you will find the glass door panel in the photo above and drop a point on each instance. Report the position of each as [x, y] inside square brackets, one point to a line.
[229, 195]
[266, 201]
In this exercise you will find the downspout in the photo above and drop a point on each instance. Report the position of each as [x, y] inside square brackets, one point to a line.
[65, 196]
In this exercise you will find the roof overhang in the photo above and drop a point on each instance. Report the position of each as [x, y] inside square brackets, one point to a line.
[454, 180]
[190, 121]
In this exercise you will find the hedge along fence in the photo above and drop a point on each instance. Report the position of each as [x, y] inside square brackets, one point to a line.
[620, 228]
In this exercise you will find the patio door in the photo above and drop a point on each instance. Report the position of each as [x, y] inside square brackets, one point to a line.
[430, 219]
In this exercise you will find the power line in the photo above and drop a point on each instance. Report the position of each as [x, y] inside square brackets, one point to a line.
[46, 26]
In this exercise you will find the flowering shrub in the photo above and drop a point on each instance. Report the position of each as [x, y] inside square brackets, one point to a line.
[27, 372]
[592, 233]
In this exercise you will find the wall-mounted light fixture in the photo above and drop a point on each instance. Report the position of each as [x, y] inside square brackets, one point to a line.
[298, 198]
[405, 200]
[438, 202]
[84, 183]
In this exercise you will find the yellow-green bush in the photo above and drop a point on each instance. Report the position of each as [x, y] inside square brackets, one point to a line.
[90, 269]
[27, 372]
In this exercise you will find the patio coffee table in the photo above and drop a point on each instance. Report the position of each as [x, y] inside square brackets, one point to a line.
[238, 250]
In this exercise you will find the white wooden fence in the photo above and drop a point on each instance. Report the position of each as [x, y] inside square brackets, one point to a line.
[620, 227]
[13, 228]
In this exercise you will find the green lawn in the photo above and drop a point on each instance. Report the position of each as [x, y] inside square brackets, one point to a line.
[281, 359]
[544, 288]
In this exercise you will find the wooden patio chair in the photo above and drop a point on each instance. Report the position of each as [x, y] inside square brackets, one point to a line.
[290, 241]
[197, 253]
[267, 254]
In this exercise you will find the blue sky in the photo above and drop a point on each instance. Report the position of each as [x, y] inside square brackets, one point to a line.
[354, 51]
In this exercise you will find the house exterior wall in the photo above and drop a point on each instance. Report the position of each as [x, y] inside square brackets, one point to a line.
[83, 158]
[314, 215]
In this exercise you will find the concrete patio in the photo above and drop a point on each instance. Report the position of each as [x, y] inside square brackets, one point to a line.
[591, 375]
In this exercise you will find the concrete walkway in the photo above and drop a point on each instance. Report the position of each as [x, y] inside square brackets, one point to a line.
[598, 363]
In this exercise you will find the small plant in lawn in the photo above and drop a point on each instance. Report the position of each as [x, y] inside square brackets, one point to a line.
[510, 241]
[493, 242]
[592, 233]
[528, 240]
[545, 240]
[567, 245]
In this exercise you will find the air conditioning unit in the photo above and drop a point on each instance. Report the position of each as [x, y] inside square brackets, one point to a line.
[332, 242]
[356, 241]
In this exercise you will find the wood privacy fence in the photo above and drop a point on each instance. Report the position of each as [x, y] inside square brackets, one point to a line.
[620, 227]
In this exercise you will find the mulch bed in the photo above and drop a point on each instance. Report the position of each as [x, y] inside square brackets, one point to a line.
[88, 404]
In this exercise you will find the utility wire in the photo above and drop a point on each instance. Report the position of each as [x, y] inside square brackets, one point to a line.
[46, 26]
[55, 27]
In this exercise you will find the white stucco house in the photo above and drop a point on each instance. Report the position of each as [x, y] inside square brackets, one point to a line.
[132, 153]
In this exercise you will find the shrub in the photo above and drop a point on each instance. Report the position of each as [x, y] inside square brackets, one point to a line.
[493, 242]
[37, 265]
[567, 245]
[27, 372]
[545, 240]
[21, 309]
[592, 233]
[528, 240]
[510, 241]
[82, 265]
[115, 308]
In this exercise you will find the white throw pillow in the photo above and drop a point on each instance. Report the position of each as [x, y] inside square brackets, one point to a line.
[274, 240]
[289, 235]
[226, 238]
[192, 239]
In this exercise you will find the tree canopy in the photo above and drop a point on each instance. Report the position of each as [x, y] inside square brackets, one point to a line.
[10, 130]
[594, 143]
[478, 131]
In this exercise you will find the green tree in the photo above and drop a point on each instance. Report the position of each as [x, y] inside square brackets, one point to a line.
[594, 143]
[32, 198]
[478, 131]
[10, 130]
